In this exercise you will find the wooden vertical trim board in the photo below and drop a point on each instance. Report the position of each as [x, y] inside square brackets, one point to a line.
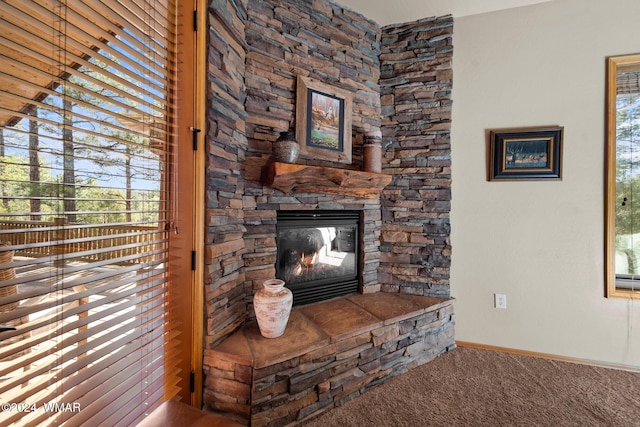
[200, 67]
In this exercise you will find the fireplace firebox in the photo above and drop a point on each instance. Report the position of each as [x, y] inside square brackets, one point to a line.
[318, 253]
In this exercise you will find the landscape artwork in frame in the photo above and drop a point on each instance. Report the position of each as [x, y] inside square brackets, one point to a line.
[323, 125]
[323, 121]
[526, 154]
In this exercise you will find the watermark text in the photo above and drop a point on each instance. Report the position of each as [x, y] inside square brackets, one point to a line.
[46, 407]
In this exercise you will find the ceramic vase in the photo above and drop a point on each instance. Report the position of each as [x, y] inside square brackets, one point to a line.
[272, 305]
[286, 149]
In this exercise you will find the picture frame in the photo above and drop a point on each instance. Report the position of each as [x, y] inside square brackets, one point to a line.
[323, 121]
[525, 153]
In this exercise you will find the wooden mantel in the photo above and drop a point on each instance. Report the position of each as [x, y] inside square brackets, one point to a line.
[317, 179]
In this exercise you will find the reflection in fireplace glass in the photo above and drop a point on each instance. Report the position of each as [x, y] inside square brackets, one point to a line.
[317, 253]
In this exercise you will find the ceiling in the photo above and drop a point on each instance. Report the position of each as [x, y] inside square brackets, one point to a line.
[385, 12]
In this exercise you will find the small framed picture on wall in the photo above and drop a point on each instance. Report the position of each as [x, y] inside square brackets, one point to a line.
[525, 153]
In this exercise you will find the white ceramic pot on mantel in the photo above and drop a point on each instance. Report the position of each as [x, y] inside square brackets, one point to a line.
[272, 305]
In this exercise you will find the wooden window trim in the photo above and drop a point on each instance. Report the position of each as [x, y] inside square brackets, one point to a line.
[613, 64]
[189, 304]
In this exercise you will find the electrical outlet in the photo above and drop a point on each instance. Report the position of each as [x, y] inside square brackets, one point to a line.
[500, 300]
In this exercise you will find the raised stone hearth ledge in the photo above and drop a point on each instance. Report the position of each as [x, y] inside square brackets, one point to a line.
[331, 352]
[325, 180]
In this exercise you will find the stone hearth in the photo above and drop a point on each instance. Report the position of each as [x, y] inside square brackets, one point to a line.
[331, 352]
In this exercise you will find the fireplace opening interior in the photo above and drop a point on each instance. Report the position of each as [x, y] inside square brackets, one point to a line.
[318, 253]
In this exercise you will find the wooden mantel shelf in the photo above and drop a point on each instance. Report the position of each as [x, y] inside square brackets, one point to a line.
[317, 179]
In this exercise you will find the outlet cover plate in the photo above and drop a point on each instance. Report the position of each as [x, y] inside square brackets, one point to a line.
[500, 301]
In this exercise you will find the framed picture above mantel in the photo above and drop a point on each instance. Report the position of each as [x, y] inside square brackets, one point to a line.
[323, 121]
[525, 153]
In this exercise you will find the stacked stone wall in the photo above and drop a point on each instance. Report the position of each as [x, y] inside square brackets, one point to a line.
[415, 86]
[333, 45]
[224, 276]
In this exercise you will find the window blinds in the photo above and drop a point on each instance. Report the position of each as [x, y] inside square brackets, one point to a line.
[86, 132]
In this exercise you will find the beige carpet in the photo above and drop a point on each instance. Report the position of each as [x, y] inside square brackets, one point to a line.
[473, 387]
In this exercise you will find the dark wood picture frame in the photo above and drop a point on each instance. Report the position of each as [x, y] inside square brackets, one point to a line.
[525, 153]
[323, 121]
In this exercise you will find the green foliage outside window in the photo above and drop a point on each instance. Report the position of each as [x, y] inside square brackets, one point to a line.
[628, 184]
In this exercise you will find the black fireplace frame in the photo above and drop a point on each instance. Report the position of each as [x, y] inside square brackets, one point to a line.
[324, 289]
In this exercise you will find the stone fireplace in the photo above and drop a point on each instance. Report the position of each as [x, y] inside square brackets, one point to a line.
[338, 342]
[400, 315]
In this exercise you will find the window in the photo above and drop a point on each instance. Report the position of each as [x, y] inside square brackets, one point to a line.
[623, 177]
[88, 201]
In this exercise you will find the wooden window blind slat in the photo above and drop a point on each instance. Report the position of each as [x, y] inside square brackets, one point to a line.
[113, 127]
[81, 383]
[122, 395]
[121, 334]
[36, 338]
[32, 50]
[42, 391]
[36, 280]
[74, 25]
[127, 117]
[44, 317]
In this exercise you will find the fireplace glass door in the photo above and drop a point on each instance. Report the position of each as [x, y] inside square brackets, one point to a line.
[318, 253]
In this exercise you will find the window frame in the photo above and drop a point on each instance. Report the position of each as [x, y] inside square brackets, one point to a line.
[612, 281]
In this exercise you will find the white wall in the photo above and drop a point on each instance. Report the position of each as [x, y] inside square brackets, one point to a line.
[540, 243]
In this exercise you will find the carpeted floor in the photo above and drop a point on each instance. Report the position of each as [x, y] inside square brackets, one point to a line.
[473, 387]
